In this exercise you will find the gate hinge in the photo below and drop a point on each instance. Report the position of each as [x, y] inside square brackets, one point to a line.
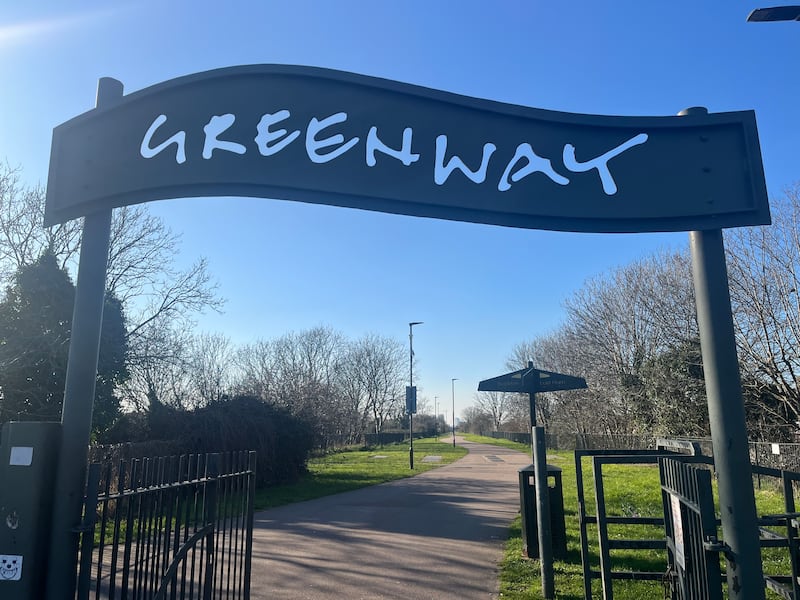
[712, 544]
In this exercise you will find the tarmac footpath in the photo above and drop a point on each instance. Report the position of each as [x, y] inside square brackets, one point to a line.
[437, 535]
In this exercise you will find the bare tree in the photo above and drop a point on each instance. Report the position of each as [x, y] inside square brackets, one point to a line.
[373, 376]
[495, 405]
[476, 421]
[616, 327]
[156, 295]
[339, 385]
[257, 370]
[298, 372]
[211, 368]
[764, 273]
[141, 271]
[160, 367]
[305, 364]
[23, 239]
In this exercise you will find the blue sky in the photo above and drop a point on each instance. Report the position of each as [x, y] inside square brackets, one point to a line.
[287, 266]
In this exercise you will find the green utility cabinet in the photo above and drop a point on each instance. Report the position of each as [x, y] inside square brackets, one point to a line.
[28, 453]
[527, 505]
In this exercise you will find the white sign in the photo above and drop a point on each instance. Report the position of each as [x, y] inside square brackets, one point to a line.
[10, 567]
[21, 456]
[776, 448]
[677, 530]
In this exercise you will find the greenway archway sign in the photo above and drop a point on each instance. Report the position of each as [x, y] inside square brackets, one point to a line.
[315, 135]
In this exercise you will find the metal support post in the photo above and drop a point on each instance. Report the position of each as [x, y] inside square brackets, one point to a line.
[411, 409]
[543, 513]
[411, 436]
[76, 415]
[726, 414]
[532, 408]
[453, 388]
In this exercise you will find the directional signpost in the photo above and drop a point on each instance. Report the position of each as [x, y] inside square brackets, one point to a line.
[531, 381]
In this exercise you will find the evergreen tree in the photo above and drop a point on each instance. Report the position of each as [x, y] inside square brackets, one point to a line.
[35, 322]
[674, 388]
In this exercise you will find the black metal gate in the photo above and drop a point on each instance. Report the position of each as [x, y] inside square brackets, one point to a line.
[601, 519]
[169, 527]
[691, 529]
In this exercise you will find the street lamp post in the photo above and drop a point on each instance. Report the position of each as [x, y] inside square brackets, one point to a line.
[453, 386]
[411, 395]
[436, 417]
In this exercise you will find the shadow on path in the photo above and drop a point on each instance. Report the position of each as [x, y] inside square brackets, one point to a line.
[436, 535]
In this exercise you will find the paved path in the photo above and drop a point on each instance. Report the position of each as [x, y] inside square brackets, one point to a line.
[438, 535]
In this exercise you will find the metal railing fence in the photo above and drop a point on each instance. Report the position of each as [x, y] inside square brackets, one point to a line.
[775, 455]
[169, 527]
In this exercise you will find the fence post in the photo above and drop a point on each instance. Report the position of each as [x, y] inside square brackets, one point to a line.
[210, 516]
[87, 531]
[248, 557]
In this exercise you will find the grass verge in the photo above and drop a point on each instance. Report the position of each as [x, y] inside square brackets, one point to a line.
[354, 469]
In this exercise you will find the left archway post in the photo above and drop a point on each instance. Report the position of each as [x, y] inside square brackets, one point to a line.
[76, 414]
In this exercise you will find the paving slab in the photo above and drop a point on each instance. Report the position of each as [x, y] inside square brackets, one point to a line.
[437, 535]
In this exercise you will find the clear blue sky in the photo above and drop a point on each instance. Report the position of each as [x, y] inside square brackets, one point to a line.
[286, 266]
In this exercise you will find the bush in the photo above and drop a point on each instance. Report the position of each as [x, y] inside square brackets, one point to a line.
[283, 442]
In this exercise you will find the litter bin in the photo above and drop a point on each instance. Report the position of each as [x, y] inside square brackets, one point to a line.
[527, 507]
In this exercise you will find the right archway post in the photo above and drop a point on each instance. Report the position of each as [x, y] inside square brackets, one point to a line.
[727, 417]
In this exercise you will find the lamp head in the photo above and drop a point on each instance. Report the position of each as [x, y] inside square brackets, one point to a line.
[775, 13]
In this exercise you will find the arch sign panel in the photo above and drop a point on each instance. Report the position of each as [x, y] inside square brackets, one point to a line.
[329, 137]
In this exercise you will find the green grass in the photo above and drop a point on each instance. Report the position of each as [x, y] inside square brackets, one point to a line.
[354, 469]
[629, 490]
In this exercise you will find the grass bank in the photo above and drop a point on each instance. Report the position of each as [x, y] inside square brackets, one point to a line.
[358, 468]
[630, 490]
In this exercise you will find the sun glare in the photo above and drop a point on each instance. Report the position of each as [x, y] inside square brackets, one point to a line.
[41, 30]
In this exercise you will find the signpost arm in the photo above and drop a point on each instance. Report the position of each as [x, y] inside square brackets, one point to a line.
[726, 414]
[76, 415]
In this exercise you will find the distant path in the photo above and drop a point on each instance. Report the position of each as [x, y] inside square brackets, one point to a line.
[438, 535]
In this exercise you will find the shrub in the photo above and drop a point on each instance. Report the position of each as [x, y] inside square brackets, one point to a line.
[283, 442]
